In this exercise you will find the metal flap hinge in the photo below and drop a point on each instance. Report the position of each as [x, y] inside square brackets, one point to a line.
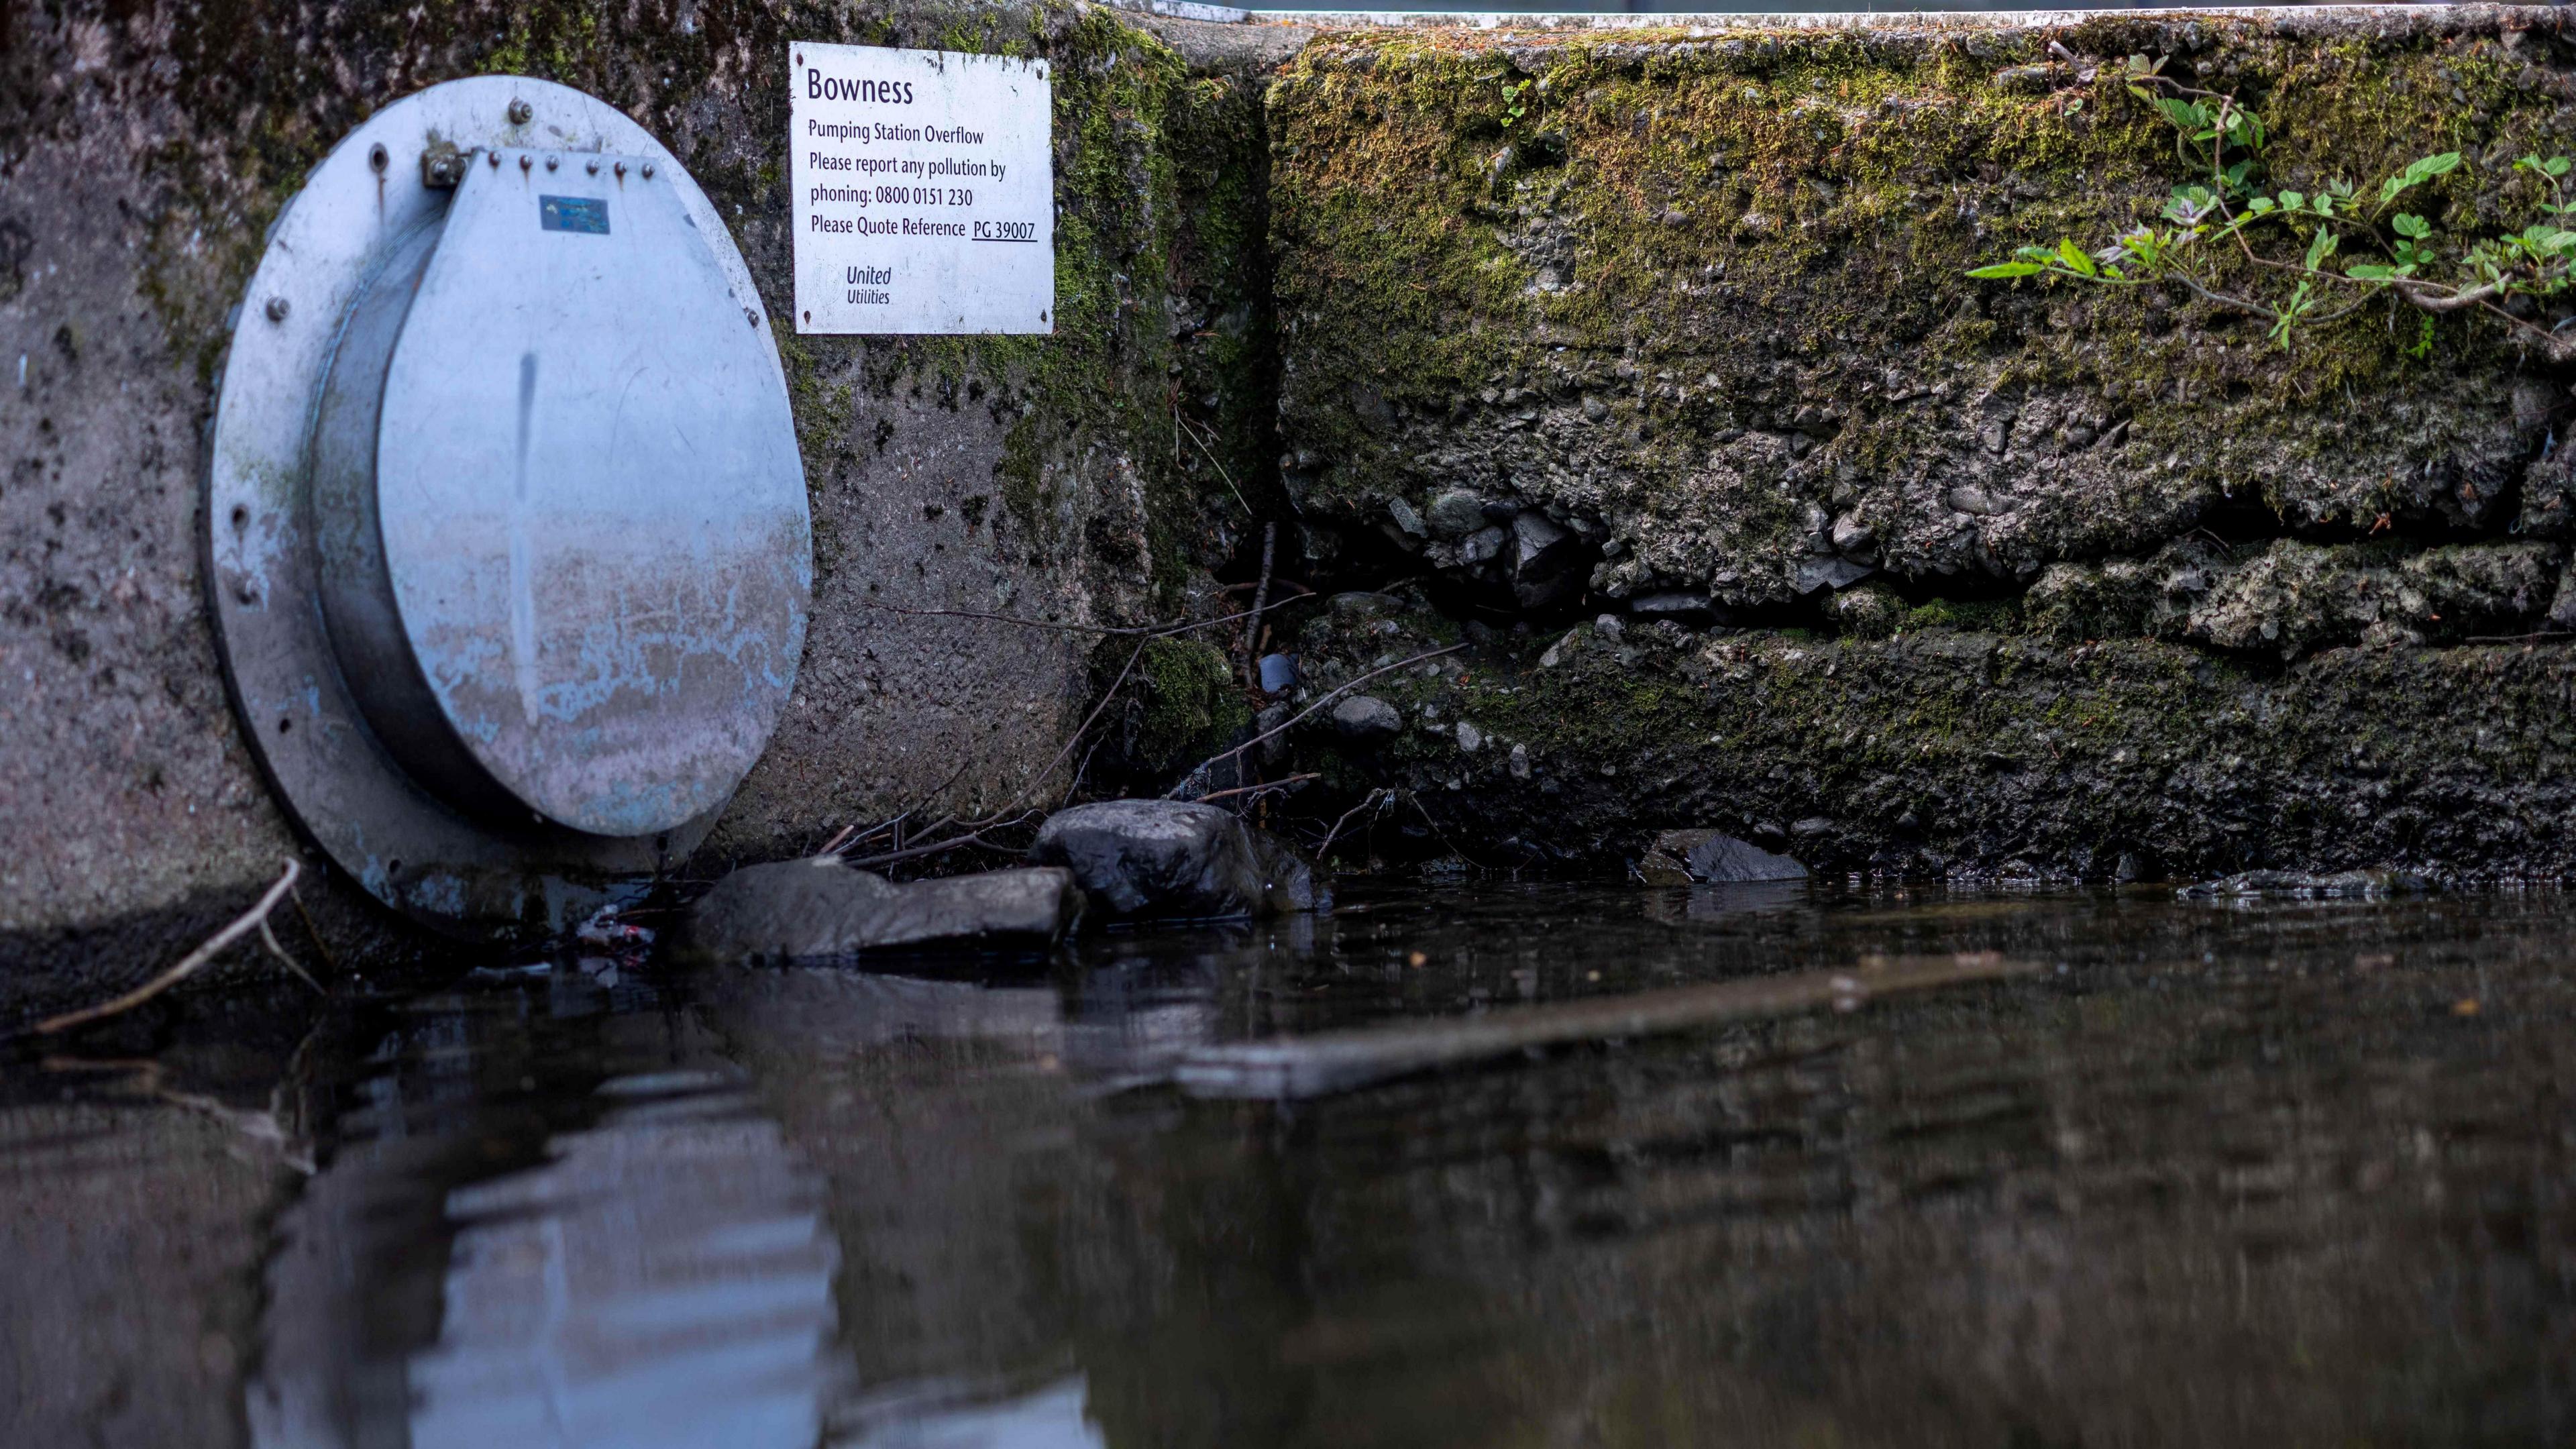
[443, 165]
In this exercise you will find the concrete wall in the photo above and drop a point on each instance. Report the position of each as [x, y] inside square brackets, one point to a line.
[2008, 578]
[1700, 309]
[143, 150]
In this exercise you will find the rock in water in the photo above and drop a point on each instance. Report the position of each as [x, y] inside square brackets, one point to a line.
[2300, 885]
[1174, 859]
[800, 909]
[1698, 857]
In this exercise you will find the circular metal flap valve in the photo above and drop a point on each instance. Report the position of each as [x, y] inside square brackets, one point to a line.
[508, 532]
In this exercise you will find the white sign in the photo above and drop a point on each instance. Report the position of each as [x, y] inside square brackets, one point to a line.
[925, 191]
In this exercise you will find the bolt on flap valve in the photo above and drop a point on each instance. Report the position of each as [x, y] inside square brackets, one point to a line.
[506, 531]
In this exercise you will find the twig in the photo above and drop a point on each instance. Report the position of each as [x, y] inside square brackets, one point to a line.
[1320, 701]
[1260, 601]
[1365, 802]
[1210, 454]
[972, 838]
[255, 918]
[1337, 1061]
[1276, 582]
[1039, 779]
[268, 938]
[1257, 789]
[845, 840]
[320, 947]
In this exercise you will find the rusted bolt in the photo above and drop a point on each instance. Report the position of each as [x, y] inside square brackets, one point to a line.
[379, 158]
[593, 166]
[442, 165]
[495, 158]
[648, 170]
[552, 163]
[519, 113]
[276, 309]
[621, 169]
[526, 161]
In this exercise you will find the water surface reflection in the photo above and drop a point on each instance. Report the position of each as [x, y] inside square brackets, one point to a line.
[2218, 1174]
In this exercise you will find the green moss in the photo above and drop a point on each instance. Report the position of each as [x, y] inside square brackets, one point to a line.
[1768, 231]
[1188, 704]
[1985, 615]
[1949, 750]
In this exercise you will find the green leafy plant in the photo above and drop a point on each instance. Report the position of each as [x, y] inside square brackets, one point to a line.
[2299, 259]
[1514, 105]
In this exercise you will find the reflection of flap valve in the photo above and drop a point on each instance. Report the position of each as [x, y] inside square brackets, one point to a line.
[552, 519]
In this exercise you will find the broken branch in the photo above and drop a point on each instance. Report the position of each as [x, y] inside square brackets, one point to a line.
[256, 918]
[1337, 1061]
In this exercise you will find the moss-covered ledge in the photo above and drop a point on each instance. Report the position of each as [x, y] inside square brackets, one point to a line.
[1970, 753]
[1697, 294]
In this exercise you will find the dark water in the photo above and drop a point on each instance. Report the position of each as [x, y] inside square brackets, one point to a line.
[2286, 1174]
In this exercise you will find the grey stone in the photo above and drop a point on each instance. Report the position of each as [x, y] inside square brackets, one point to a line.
[1544, 561]
[1278, 672]
[2305, 886]
[1850, 535]
[1365, 719]
[1371, 408]
[1697, 857]
[1456, 513]
[1520, 762]
[1470, 738]
[804, 909]
[2562, 606]
[1483, 546]
[1830, 573]
[1971, 499]
[2294, 598]
[1272, 724]
[1174, 859]
[2533, 402]
[1405, 518]
[1679, 605]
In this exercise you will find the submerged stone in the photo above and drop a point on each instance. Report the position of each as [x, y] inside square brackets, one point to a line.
[2304, 886]
[804, 909]
[1703, 857]
[1174, 859]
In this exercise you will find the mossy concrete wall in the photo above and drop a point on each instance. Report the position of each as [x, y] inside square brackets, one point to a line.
[2005, 576]
[1686, 344]
[144, 148]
